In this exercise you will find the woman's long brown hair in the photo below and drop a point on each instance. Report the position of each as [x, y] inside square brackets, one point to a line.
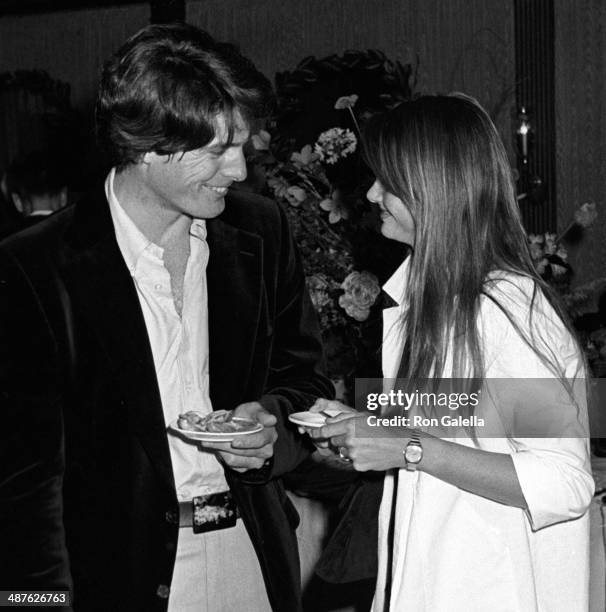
[443, 157]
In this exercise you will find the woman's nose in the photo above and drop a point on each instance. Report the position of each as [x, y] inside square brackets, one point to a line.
[374, 193]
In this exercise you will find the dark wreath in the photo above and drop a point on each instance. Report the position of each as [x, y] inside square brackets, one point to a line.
[306, 99]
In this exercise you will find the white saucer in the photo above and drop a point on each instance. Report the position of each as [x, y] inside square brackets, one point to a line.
[210, 436]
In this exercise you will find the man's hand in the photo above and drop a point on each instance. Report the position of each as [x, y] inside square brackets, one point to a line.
[250, 451]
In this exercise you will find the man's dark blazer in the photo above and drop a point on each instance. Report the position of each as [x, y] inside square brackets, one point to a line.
[78, 387]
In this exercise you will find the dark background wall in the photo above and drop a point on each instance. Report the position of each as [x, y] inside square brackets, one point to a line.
[69, 45]
[580, 78]
[465, 45]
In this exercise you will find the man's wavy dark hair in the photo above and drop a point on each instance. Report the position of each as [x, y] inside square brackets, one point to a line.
[163, 89]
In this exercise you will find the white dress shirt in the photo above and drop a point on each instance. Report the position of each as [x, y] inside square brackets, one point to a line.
[179, 344]
[456, 551]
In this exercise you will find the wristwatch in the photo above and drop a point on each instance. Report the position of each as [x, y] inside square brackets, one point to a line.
[413, 451]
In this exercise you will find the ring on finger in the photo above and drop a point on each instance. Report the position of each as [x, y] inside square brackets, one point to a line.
[342, 454]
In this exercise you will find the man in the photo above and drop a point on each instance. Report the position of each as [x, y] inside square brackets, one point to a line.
[164, 292]
[37, 186]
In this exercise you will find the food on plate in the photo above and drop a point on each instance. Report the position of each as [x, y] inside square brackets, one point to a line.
[215, 422]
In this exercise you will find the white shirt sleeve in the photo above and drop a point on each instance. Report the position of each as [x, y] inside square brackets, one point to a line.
[554, 472]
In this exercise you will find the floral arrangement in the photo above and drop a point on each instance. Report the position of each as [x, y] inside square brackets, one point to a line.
[551, 261]
[308, 159]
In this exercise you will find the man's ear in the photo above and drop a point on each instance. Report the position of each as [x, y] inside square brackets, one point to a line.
[18, 202]
[63, 198]
[147, 158]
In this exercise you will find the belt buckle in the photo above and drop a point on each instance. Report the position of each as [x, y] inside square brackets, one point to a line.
[214, 511]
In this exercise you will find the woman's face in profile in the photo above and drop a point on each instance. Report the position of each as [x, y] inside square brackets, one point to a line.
[396, 221]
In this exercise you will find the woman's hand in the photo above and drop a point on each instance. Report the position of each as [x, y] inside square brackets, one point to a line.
[368, 447]
[329, 408]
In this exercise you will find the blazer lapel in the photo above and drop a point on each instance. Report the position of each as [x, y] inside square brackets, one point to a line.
[234, 276]
[104, 293]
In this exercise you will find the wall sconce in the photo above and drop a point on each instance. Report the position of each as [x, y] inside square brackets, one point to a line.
[523, 136]
[531, 186]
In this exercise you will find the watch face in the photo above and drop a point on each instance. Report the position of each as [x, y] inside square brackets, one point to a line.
[413, 453]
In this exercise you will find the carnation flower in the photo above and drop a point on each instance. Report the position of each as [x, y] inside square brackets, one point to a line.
[346, 102]
[542, 266]
[586, 214]
[335, 144]
[535, 243]
[550, 244]
[545, 244]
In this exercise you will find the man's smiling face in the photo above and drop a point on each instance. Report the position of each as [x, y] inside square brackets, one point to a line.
[194, 183]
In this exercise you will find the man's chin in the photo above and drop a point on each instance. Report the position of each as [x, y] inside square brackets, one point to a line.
[220, 207]
[210, 210]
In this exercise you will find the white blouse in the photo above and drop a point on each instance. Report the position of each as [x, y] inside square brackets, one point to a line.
[456, 551]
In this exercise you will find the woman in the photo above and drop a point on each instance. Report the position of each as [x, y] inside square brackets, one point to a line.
[472, 521]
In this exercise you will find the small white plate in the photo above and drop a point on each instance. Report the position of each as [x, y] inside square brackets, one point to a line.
[307, 419]
[212, 436]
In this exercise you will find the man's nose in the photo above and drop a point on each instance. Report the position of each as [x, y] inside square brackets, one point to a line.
[234, 165]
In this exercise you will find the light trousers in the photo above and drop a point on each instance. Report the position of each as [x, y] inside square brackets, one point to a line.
[217, 571]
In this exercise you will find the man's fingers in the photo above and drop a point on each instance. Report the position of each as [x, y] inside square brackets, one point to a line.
[240, 463]
[249, 441]
[266, 419]
[223, 448]
[255, 412]
[258, 440]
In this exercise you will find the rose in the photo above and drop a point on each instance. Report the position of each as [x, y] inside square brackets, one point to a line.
[360, 292]
[318, 287]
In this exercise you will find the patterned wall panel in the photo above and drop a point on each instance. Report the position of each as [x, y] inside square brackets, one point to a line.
[71, 45]
[464, 45]
[534, 32]
[580, 47]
